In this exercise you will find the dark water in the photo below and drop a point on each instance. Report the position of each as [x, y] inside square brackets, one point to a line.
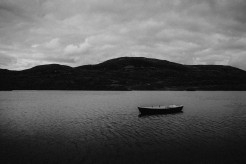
[105, 127]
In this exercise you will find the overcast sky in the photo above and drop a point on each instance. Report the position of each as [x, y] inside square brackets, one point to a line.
[78, 32]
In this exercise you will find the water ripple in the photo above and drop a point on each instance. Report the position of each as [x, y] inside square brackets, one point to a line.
[105, 127]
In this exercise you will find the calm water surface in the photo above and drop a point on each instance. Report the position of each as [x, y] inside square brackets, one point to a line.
[105, 127]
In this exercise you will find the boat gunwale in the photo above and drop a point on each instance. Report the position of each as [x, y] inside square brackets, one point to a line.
[162, 107]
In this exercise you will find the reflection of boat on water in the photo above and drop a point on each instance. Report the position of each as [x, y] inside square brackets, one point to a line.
[159, 114]
[161, 109]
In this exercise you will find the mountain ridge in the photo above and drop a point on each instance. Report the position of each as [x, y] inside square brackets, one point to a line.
[125, 73]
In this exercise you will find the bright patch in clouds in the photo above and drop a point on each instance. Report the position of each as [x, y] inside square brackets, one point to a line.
[78, 32]
[77, 49]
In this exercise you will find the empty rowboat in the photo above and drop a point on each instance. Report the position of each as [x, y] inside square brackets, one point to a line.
[161, 109]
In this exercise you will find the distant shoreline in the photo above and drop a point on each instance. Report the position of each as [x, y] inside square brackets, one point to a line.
[126, 74]
[123, 90]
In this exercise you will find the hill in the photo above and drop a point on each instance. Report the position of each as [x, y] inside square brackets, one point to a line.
[125, 73]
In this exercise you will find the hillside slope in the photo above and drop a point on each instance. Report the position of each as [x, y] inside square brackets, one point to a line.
[125, 73]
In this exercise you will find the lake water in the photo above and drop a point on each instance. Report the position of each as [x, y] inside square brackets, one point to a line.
[105, 127]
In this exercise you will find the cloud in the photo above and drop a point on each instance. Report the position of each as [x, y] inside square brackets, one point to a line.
[6, 60]
[212, 60]
[9, 10]
[238, 60]
[87, 32]
[75, 49]
[54, 43]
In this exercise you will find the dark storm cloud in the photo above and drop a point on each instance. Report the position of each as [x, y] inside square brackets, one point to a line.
[9, 8]
[90, 31]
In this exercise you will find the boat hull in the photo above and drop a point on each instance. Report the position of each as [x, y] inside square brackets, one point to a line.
[144, 110]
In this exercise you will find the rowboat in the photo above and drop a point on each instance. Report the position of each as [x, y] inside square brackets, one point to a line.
[161, 109]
